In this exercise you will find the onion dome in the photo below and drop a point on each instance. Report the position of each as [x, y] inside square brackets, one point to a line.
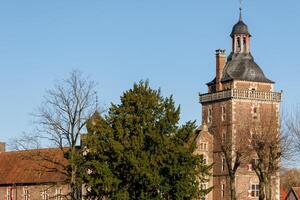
[240, 28]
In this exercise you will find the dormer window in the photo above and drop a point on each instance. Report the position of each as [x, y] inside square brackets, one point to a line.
[203, 146]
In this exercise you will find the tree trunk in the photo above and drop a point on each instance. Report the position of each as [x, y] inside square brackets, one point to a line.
[232, 188]
[262, 187]
[268, 190]
[75, 184]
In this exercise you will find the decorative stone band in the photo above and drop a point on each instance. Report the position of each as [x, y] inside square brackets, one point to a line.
[241, 94]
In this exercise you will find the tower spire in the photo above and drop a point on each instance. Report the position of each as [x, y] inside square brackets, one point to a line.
[241, 8]
[241, 16]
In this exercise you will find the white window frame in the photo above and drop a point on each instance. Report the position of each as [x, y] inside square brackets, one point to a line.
[223, 164]
[203, 146]
[223, 190]
[58, 193]
[26, 193]
[45, 195]
[254, 190]
[9, 193]
[209, 115]
[223, 113]
[224, 136]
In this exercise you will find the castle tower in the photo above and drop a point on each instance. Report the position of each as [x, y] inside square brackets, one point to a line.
[239, 96]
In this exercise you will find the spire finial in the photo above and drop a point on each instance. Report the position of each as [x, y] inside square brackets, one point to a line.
[241, 8]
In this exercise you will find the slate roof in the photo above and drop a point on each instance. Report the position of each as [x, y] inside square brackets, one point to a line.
[240, 28]
[32, 167]
[295, 191]
[241, 66]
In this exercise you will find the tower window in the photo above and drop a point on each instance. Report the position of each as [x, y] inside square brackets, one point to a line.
[244, 44]
[224, 136]
[223, 164]
[223, 190]
[209, 115]
[223, 115]
[255, 113]
[238, 44]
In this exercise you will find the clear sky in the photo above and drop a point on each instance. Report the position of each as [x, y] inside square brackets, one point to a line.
[119, 42]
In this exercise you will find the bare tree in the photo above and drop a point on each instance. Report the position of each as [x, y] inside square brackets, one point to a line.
[290, 178]
[293, 127]
[269, 146]
[61, 119]
[234, 150]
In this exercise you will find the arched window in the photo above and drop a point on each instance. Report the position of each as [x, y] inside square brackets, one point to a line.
[238, 44]
[245, 43]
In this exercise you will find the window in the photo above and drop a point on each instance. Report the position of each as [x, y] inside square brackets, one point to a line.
[254, 191]
[223, 113]
[203, 146]
[203, 187]
[238, 46]
[223, 164]
[223, 190]
[9, 193]
[254, 112]
[26, 193]
[244, 41]
[204, 159]
[45, 195]
[209, 115]
[58, 193]
[224, 135]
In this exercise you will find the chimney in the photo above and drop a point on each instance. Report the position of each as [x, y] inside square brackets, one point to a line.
[2, 147]
[220, 63]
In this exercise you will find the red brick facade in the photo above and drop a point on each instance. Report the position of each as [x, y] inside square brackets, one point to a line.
[237, 97]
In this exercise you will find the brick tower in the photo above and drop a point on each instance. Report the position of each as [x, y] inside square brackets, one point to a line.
[239, 94]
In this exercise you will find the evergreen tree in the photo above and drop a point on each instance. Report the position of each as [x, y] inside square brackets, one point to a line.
[138, 150]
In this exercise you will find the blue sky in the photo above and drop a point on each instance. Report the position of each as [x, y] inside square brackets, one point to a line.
[117, 43]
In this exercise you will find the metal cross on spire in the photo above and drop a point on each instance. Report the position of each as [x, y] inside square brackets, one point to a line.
[241, 7]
